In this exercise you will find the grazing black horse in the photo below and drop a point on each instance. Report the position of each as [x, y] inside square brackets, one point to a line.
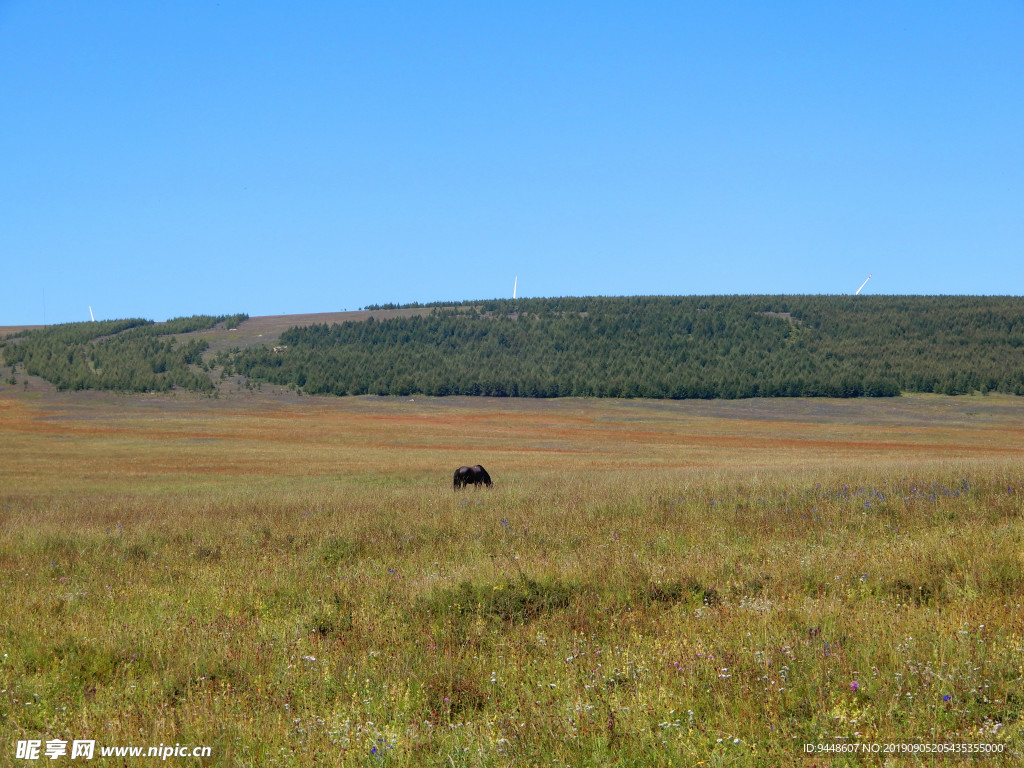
[474, 475]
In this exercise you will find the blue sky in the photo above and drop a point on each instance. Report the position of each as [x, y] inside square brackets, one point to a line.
[165, 159]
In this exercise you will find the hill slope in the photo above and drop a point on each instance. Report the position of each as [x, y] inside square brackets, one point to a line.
[674, 347]
[659, 347]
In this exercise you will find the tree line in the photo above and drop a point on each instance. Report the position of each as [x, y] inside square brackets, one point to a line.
[662, 347]
[657, 347]
[132, 355]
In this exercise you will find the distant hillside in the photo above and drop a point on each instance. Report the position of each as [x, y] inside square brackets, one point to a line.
[659, 347]
[133, 355]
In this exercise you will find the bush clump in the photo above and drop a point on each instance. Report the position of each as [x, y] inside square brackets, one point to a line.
[515, 601]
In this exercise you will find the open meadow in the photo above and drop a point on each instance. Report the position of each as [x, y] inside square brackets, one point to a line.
[292, 581]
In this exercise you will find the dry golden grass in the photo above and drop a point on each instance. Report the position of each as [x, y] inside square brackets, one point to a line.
[293, 581]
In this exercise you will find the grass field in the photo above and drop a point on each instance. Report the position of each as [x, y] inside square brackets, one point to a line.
[292, 581]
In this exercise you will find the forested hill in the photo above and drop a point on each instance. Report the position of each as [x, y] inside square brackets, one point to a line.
[662, 347]
[132, 355]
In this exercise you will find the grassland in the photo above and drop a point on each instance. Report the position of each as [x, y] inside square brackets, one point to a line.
[292, 581]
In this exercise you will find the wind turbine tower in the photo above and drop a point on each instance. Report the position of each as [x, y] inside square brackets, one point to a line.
[514, 286]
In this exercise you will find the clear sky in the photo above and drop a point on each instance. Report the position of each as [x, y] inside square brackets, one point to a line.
[173, 158]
